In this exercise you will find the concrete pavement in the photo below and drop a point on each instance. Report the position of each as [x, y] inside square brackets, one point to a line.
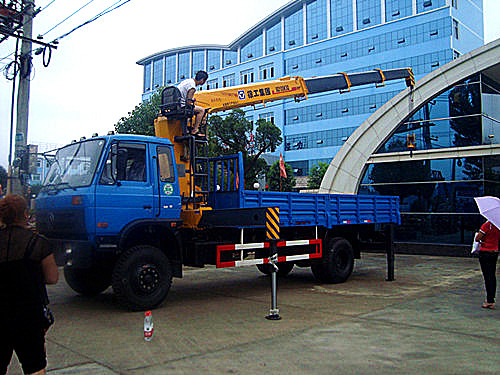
[428, 320]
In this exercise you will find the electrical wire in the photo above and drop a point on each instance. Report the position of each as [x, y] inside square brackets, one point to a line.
[109, 9]
[46, 6]
[11, 75]
[64, 20]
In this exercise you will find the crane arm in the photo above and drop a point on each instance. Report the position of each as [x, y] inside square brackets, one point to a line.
[294, 87]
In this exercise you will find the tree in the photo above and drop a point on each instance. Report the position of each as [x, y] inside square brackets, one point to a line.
[141, 119]
[3, 178]
[273, 178]
[234, 133]
[316, 175]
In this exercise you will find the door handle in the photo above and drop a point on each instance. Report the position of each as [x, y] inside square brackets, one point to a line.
[147, 207]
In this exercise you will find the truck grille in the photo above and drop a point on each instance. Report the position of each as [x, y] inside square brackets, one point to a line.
[62, 224]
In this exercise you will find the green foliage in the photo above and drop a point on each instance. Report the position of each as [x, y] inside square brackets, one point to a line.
[233, 134]
[316, 175]
[273, 178]
[3, 178]
[141, 119]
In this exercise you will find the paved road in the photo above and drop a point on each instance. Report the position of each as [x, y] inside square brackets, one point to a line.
[428, 320]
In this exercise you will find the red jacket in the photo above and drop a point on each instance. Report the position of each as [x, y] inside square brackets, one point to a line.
[491, 237]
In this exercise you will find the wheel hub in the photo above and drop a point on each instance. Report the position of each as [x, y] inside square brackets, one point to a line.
[148, 278]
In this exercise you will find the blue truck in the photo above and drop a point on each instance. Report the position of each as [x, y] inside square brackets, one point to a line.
[131, 210]
[117, 225]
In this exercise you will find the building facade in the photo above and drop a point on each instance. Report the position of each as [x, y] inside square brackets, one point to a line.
[313, 38]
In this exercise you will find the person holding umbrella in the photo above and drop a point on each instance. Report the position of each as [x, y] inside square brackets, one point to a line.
[489, 236]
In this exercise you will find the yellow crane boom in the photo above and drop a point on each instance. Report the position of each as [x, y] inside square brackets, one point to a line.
[226, 98]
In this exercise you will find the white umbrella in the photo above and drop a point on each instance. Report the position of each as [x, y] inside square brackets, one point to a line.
[489, 207]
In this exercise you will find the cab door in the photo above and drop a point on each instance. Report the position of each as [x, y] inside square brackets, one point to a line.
[124, 192]
[168, 202]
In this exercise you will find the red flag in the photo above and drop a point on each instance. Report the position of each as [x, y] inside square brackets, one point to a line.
[282, 167]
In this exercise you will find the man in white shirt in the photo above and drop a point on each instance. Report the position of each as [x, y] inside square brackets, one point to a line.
[187, 89]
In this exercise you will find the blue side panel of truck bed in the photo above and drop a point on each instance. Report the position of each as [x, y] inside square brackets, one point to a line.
[297, 209]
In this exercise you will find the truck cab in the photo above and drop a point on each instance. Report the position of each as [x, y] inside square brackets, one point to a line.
[104, 194]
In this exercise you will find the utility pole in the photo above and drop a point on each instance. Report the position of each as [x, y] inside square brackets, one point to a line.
[23, 93]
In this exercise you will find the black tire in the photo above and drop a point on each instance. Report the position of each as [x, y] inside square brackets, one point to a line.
[284, 268]
[142, 278]
[337, 263]
[89, 281]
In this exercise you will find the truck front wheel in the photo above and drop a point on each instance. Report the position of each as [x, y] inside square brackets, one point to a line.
[337, 263]
[87, 282]
[142, 277]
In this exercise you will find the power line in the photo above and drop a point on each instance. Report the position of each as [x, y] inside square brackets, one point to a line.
[46, 6]
[71, 15]
[109, 9]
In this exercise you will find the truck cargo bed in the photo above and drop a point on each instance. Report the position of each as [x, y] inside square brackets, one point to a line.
[301, 209]
[296, 209]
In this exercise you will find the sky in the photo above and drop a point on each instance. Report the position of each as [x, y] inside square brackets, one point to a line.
[93, 79]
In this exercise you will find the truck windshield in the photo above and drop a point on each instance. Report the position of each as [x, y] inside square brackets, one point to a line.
[74, 165]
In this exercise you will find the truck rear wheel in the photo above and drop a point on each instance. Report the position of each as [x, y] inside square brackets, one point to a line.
[88, 281]
[284, 268]
[337, 263]
[142, 277]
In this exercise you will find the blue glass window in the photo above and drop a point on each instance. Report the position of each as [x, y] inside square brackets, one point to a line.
[459, 169]
[183, 66]
[147, 77]
[452, 119]
[228, 80]
[395, 9]
[170, 70]
[157, 73]
[368, 13]
[268, 116]
[316, 21]
[429, 188]
[403, 37]
[425, 5]
[318, 139]
[299, 168]
[230, 58]
[246, 76]
[212, 84]
[294, 30]
[213, 60]
[273, 38]
[266, 72]
[252, 49]
[341, 16]
[198, 61]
